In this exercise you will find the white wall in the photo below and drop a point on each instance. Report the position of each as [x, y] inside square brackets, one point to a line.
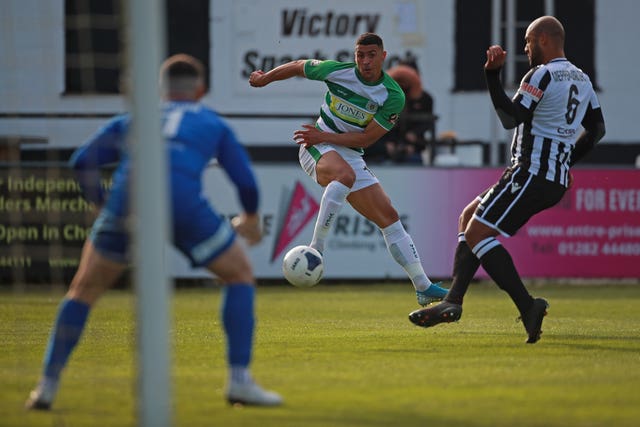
[617, 62]
[32, 64]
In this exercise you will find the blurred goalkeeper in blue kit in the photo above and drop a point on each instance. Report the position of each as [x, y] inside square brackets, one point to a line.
[361, 105]
[195, 135]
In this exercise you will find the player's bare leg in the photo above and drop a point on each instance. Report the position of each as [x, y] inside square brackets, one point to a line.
[95, 275]
[374, 204]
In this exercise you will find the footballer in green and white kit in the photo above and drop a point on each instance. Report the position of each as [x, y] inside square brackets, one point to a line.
[350, 104]
[362, 104]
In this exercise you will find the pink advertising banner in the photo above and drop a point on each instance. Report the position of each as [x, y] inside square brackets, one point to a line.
[593, 232]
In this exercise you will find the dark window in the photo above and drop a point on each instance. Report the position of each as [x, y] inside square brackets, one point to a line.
[525, 13]
[94, 41]
[473, 36]
[92, 46]
[188, 28]
[578, 18]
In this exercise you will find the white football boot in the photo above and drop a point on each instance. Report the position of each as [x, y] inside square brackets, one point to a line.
[42, 396]
[251, 394]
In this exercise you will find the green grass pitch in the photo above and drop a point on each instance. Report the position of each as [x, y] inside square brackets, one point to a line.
[346, 355]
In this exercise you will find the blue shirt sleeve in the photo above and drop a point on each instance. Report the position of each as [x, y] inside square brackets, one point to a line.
[102, 148]
[235, 161]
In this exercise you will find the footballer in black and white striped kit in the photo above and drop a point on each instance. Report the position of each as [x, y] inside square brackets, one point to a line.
[554, 98]
[557, 119]
[554, 102]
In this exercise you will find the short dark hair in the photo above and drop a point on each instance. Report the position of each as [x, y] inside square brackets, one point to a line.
[369, 39]
[182, 65]
[181, 72]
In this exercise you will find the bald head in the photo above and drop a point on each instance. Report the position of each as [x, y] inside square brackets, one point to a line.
[549, 26]
[544, 40]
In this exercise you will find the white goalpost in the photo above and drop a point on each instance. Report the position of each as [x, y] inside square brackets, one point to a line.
[146, 42]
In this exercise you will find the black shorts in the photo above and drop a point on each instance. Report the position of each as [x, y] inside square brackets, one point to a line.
[515, 198]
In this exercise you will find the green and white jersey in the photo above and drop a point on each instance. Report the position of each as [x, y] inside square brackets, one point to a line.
[351, 102]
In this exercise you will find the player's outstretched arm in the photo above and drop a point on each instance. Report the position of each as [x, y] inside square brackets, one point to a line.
[260, 78]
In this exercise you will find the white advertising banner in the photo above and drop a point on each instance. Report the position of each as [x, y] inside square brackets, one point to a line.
[355, 248]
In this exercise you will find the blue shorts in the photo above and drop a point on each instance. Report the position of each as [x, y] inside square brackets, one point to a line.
[200, 233]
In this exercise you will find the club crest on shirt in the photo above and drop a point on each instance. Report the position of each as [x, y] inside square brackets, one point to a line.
[372, 106]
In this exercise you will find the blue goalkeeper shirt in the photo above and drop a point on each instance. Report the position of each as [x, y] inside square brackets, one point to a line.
[194, 136]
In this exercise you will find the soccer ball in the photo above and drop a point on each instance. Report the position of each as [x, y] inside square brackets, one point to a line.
[302, 266]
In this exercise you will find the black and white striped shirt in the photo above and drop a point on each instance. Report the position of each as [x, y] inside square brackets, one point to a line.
[557, 94]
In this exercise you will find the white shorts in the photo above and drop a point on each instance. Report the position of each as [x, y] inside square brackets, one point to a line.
[309, 158]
